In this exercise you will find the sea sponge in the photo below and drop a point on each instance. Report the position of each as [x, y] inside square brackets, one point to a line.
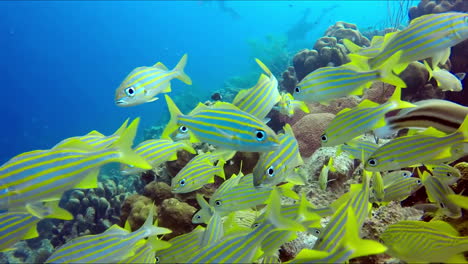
[308, 131]
[158, 191]
[135, 210]
[289, 80]
[177, 216]
[437, 6]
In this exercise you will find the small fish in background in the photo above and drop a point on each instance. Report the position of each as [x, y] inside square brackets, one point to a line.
[431, 146]
[203, 215]
[350, 123]
[96, 139]
[273, 167]
[358, 149]
[328, 83]
[157, 151]
[437, 193]
[44, 175]
[115, 244]
[243, 248]
[199, 171]
[260, 99]
[223, 125]
[143, 84]
[181, 247]
[445, 173]
[401, 189]
[287, 105]
[323, 177]
[443, 115]
[394, 176]
[446, 81]
[428, 36]
[423, 242]
[16, 226]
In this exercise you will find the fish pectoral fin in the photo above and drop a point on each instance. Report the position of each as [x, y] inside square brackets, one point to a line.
[90, 180]
[152, 99]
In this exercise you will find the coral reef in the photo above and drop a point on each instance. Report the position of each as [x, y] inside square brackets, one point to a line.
[437, 6]
[308, 131]
[327, 51]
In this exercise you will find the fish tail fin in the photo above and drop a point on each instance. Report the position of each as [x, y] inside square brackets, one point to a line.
[121, 129]
[124, 146]
[351, 46]
[175, 113]
[361, 247]
[220, 167]
[273, 213]
[330, 165]
[187, 146]
[464, 129]
[264, 67]
[395, 99]
[303, 106]
[390, 66]
[180, 69]
[49, 209]
[150, 227]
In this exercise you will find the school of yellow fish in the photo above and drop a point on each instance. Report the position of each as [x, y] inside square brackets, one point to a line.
[32, 183]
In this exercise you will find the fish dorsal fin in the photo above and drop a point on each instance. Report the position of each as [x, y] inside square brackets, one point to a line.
[443, 226]
[344, 110]
[200, 107]
[263, 66]
[122, 128]
[90, 181]
[160, 66]
[376, 40]
[116, 230]
[224, 105]
[74, 143]
[240, 95]
[367, 104]
[95, 133]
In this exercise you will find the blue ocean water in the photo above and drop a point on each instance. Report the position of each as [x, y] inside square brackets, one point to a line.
[62, 61]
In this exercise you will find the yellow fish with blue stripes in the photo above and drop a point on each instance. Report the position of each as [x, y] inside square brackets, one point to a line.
[199, 171]
[428, 36]
[44, 175]
[273, 167]
[157, 151]
[421, 148]
[16, 226]
[223, 125]
[425, 242]
[352, 122]
[288, 106]
[113, 245]
[260, 99]
[143, 84]
[328, 83]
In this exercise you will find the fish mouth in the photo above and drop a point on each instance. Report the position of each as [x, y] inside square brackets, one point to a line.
[121, 102]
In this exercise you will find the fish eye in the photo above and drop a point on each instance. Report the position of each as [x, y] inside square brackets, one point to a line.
[372, 162]
[130, 91]
[317, 232]
[418, 181]
[183, 129]
[260, 134]
[449, 174]
[182, 182]
[218, 203]
[271, 171]
[197, 216]
[405, 174]
[297, 89]
[324, 138]
[442, 205]
[255, 225]
[157, 260]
